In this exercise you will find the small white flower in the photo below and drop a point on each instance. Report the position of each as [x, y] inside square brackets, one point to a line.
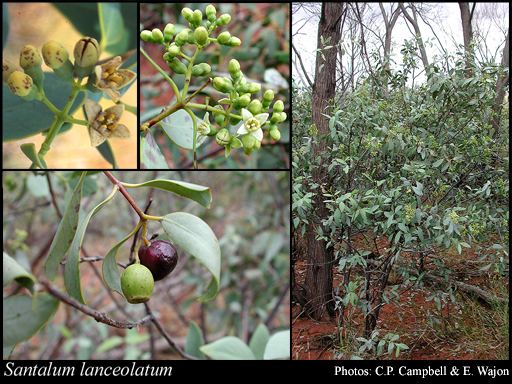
[104, 124]
[252, 124]
[204, 126]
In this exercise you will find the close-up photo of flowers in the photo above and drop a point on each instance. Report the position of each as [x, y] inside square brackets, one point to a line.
[69, 85]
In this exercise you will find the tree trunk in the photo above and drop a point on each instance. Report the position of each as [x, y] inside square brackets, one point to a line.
[467, 32]
[320, 260]
[500, 89]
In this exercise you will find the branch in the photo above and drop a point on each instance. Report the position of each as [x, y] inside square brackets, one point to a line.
[98, 316]
[302, 66]
[125, 193]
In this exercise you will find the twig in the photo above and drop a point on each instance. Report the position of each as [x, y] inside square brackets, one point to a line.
[285, 291]
[166, 336]
[52, 194]
[125, 193]
[98, 316]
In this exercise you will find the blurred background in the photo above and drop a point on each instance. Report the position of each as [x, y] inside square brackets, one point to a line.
[249, 214]
[263, 56]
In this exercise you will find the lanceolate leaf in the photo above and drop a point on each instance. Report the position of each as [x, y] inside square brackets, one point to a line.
[259, 341]
[195, 192]
[14, 271]
[65, 231]
[194, 341]
[228, 348]
[72, 269]
[278, 346]
[195, 237]
[23, 316]
[150, 155]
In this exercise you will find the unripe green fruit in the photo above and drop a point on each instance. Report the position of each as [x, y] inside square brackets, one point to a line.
[255, 107]
[86, 52]
[187, 13]
[275, 134]
[20, 83]
[248, 141]
[169, 31]
[224, 19]
[224, 37]
[201, 35]
[158, 36]
[278, 106]
[177, 66]
[202, 69]
[211, 13]
[223, 137]
[146, 36]
[137, 283]
[197, 17]
[30, 57]
[222, 84]
[268, 95]
[173, 50]
[234, 67]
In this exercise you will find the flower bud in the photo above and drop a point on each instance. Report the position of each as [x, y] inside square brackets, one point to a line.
[146, 36]
[20, 84]
[224, 19]
[169, 31]
[30, 57]
[222, 84]
[233, 67]
[224, 37]
[173, 50]
[219, 117]
[255, 107]
[177, 66]
[268, 95]
[275, 134]
[248, 141]
[243, 101]
[201, 69]
[234, 41]
[197, 17]
[235, 142]
[211, 13]
[187, 13]
[278, 106]
[250, 88]
[7, 69]
[158, 36]
[183, 37]
[278, 117]
[201, 36]
[86, 52]
[54, 54]
[223, 137]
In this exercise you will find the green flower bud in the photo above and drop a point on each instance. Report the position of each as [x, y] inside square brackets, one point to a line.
[204, 128]
[7, 69]
[223, 137]
[187, 13]
[21, 85]
[250, 87]
[137, 283]
[86, 52]
[222, 84]
[30, 57]
[146, 36]
[223, 38]
[234, 67]
[268, 95]
[243, 101]
[201, 36]
[275, 134]
[234, 41]
[224, 19]
[278, 117]
[177, 66]
[173, 50]
[248, 141]
[235, 142]
[211, 13]
[169, 31]
[57, 58]
[197, 17]
[202, 69]
[278, 106]
[255, 107]
[219, 117]
[183, 37]
[158, 36]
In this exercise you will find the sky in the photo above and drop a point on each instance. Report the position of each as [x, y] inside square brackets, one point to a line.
[445, 19]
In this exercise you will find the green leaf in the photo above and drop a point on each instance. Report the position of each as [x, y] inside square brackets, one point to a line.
[259, 341]
[228, 348]
[110, 343]
[180, 129]
[198, 193]
[65, 231]
[151, 156]
[29, 150]
[110, 270]
[194, 341]
[23, 316]
[72, 269]
[22, 119]
[105, 149]
[278, 346]
[15, 272]
[195, 237]
[114, 37]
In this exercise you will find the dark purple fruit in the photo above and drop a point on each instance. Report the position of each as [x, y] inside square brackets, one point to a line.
[160, 257]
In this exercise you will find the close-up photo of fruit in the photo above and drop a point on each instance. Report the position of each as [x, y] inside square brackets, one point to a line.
[152, 265]
[214, 86]
[69, 85]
